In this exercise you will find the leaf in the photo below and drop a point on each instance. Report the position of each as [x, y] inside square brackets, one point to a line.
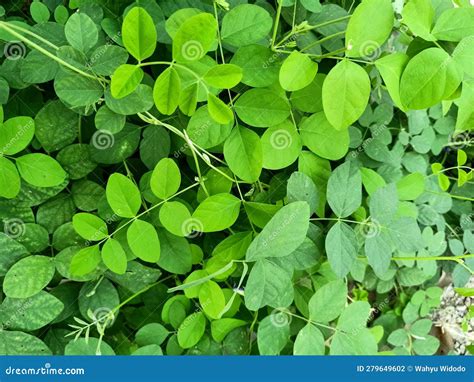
[216, 213]
[9, 179]
[418, 15]
[371, 180]
[297, 71]
[272, 335]
[391, 68]
[323, 139]
[465, 113]
[175, 217]
[40, 170]
[344, 190]
[428, 78]
[125, 80]
[378, 250]
[341, 248]
[224, 76]
[36, 311]
[139, 33]
[463, 55]
[191, 330]
[300, 187]
[328, 302]
[268, 284]
[283, 234]
[205, 131]
[454, 24]
[221, 328]
[245, 24]
[15, 135]
[151, 334]
[85, 261]
[194, 38]
[143, 241]
[81, 32]
[262, 108]
[89, 226]
[411, 186]
[19, 343]
[281, 145]
[309, 341]
[405, 234]
[346, 91]
[114, 257]
[166, 91]
[218, 110]
[77, 90]
[28, 276]
[243, 154]
[212, 299]
[176, 256]
[165, 179]
[90, 346]
[364, 38]
[123, 196]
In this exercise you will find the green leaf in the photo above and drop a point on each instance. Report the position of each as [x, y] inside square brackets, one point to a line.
[125, 80]
[300, 187]
[123, 196]
[344, 190]
[195, 38]
[151, 334]
[40, 170]
[36, 311]
[85, 261]
[272, 335]
[268, 284]
[90, 346]
[323, 139]
[28, 276]
[243, 154]
[77, 90]
[165, 179]
[262, 108]
[259, 67]
[297, 71]
[218, 110]
[143, 241]
[454, 24]
[309, 341]
[114, 257]
[411, 186]
[418, 15]
[212, 299]
[245, 24]
[9, 179]
[426, 346]
[15, 135]
[405, 234]
[341, 248]
[175, 217]
[281, 145]
[89, 226]
[166, 91]
[428, 78]
[378, 250]
[19, 343]
[81, 32]
[465, 112]
[369, 27]
[391, 68]
[464, 55]
[39, 12]
[176, 256]
[205, 131]
[224, 76]
[328, 302]
[139, 33]
[191, 330]
[371, 180]
[221, 328]
[216, 213]
[283, 234]
[346, 91]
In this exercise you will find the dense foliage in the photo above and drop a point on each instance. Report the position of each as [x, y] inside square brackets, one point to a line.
[233, 177]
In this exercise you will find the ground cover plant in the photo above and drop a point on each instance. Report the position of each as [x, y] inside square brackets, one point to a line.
[234, 177]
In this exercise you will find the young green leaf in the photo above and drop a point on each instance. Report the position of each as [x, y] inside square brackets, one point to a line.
[114, 257]
[123, 196]
[165, 179]
[216, 213]
[125, 80]
[297, 71]
[15, 134]
[139, 33]
[224, 76]
[143, 241]
[40, 170]
[344, 192]
[341, 248]
[89, 226]
[166, 92]
[81, 32]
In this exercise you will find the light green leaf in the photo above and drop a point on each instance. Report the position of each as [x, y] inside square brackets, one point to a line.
[216, 213]
[165, 179]
[272, 335]
[85, 261]
[344, 190]
[297, 71]
[19, 343]
[411, 186]
[28, 276]
[281, 145]
[391, 68]
[454, 24]
[191, 330]
[346, 91]
[218, 110]
[139, 33]
[81, 32]
[114, 257]
[212, 299]
[369, 27]
[143, 241]
[89, 226]
[15, 134]
[328, 302]
[341, 248]
[464, 55]
[418, 15]
[167, 90]
[243, 154]
[245, 24]
[224, 76]
[125, 80]
[40, 170]
[9, 179]
[283, 234]
[123, 196]
[309, 341]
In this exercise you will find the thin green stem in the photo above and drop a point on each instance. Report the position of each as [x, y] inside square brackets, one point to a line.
[277, 21]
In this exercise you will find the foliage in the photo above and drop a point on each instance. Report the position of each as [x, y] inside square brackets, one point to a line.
[233, 177]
